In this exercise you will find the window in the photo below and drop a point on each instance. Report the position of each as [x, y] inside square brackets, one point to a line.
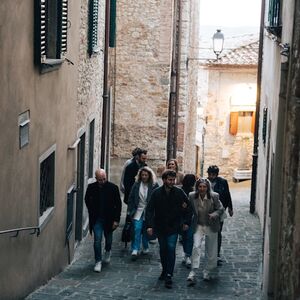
[264, 127]
[93, 27]
[242, 122]
[47, 183]
[112, 20]
[274, 17]
[91, 148]
[51, 24]
[70, 212]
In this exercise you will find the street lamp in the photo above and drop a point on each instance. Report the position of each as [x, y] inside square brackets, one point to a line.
[218, 42]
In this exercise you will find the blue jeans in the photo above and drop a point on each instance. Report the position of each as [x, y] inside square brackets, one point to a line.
[188, 241]
[98, 230]
[167, 251]
[138, 233]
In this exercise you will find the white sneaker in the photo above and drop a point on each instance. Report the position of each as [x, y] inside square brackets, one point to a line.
[145, 251]
[184, 260]
[206, 276]
[98, 267]
[134, 254]
[191, 276]
[106, 258]
[188, 262]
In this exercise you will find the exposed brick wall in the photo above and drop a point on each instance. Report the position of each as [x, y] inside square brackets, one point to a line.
[143, 55]
[142, 81]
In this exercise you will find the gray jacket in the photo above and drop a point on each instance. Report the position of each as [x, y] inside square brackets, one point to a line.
[216, 209]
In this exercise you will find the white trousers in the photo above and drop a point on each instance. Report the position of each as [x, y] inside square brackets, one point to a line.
[211, 248]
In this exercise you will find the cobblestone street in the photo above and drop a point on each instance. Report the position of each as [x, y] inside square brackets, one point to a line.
[238, 278]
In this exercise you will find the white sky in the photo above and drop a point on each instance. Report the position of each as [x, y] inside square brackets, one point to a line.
[230, 13]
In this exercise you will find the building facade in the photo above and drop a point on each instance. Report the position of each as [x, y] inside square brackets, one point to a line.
[51, 101]
[227, 112]
[277, 185]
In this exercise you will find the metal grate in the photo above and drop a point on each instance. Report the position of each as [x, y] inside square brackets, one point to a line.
[47, 183]
[264, 127]
[70, 210]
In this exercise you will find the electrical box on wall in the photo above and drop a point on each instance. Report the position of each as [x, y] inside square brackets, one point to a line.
[23, 122]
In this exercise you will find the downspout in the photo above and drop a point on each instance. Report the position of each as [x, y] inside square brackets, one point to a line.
[177, 81]
[105, 112]
[172, 95]
[174, 85]
[258, 95]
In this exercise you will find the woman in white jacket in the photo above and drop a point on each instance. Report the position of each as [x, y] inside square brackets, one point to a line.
[137, 202]
[207, 210]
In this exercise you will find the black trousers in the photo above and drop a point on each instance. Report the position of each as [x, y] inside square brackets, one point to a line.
[220, 238]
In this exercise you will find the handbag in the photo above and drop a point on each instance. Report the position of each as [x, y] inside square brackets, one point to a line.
[127, 231]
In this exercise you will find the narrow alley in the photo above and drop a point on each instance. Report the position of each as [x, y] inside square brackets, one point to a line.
[238, 278]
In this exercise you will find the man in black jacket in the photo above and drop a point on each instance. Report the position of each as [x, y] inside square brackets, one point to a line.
[131, 171]
[220, 186]
[104, 205]
[168, 212]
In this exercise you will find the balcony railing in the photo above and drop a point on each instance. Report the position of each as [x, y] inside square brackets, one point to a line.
[274, 18]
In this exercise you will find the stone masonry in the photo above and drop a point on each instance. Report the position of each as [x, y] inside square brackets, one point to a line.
[90, 80]
[142, 82]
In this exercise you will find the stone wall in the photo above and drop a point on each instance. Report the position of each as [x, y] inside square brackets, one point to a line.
[142, 81]
[193, 83]
[288, 272]
[90, 81]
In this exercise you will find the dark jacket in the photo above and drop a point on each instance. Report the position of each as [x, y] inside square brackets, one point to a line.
[221, 187]
[129, 177]
[165, 213]
[103, 202]
[134, 198]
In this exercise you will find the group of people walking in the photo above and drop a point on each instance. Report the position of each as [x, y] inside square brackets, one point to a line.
[184, 206]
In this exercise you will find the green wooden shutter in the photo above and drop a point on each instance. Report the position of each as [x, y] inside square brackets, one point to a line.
[62, 28]
[274, 17]
[112, 27]
[93, 26]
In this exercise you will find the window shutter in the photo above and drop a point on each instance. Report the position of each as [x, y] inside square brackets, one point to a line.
[112, 25]
[93, 26]
[40, 30]
[233, 126]
[274, 17]
[253, 122]
[63, 28]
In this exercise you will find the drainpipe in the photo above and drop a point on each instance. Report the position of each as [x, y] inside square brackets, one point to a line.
[258, 94]
[177, 80]
[105, 112]
[174, 84]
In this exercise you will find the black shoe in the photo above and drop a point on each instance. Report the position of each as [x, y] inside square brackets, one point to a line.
[162, 276]
[219, 262]
[168, 281]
